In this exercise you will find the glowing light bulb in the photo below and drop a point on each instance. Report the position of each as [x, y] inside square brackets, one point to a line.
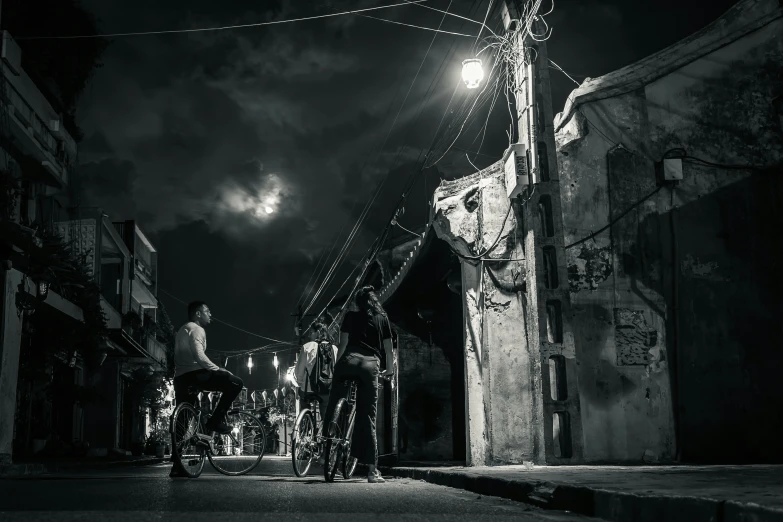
[472, 73]
[250, 364]
[268, 210]
[275, 361]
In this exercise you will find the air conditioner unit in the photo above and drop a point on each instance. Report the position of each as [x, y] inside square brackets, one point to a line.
[515, 168]
[12, 54]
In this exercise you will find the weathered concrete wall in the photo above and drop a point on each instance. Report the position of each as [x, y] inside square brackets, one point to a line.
[503, 384]
[425, 417]
[674, 304]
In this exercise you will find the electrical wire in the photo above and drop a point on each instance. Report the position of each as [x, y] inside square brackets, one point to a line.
[267, 348]
[383, 181]
[406, 230]
[481, 256]
[562, 71]
[616, 219]
[382, 238]
[346, 246]
[446, 12]
[322, 258]
[220, 28]
[484, 23]
[225, 323]
[416, 26]
[683, 155]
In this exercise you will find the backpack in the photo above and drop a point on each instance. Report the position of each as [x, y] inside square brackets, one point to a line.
[320, 380]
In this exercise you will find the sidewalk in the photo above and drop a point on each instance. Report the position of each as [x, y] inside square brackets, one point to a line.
[632, 494]
[18, 469]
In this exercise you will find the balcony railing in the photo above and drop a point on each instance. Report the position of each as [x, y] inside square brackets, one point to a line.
[29, 119]
[156, 349]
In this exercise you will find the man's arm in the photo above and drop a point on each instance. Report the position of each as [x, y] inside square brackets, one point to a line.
[300, 369]
[198, 343]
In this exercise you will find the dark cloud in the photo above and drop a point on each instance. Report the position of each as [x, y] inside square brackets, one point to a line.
[197, 134]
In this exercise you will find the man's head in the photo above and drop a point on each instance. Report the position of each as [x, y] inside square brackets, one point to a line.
[199, 313]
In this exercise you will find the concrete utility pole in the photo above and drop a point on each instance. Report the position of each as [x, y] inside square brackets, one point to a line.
[547, 292]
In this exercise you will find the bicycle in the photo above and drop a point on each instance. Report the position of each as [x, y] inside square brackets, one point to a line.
[338, 443]
[306, 446]
[340, 431]
[234, 453]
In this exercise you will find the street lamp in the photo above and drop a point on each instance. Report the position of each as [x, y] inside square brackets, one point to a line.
[250, 364]
[275, 362]
[472, 72]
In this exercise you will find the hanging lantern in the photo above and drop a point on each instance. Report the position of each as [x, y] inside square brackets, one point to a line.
[250, 364]
[275, 361]
[472, 73]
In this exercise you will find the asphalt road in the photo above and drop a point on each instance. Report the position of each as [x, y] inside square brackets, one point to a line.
[271, 492]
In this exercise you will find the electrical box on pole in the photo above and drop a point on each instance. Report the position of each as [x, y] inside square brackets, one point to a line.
[515, 167]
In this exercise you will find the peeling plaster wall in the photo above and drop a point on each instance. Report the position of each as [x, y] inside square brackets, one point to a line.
[689, 273]
[503, 412]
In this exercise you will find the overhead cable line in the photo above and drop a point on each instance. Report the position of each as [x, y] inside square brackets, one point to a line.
[445, 12]
[351, 235]
[380, 240]
[321, 258]
[383, 181]
[416, 26]
[562, 71]
[225, 323]
[220, 28]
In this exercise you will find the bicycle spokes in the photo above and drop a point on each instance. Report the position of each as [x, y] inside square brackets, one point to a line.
[240, 450]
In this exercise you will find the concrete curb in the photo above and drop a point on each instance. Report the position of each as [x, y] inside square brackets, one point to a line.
[617, 506]
[41, 468]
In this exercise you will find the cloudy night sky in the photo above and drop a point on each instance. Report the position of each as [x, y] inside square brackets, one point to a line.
[196, 134]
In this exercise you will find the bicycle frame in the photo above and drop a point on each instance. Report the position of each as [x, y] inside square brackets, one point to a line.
[351, 400]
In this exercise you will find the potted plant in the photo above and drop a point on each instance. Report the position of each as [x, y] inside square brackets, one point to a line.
[160, 436]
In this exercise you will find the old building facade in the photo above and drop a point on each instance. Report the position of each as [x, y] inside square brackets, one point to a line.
[670, 174]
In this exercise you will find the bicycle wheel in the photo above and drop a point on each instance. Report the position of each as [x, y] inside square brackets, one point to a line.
[303, 445]
[239, 451]
[349, 465]
[349, 462]
[187, 453]
[334, 440]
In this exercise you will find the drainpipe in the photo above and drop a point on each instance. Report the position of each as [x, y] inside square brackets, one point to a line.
[676, 329]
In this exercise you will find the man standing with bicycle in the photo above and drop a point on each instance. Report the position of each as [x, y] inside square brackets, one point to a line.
[195, 370]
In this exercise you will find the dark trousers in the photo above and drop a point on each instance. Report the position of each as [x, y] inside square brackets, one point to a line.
[364, 367]
[228, 384]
